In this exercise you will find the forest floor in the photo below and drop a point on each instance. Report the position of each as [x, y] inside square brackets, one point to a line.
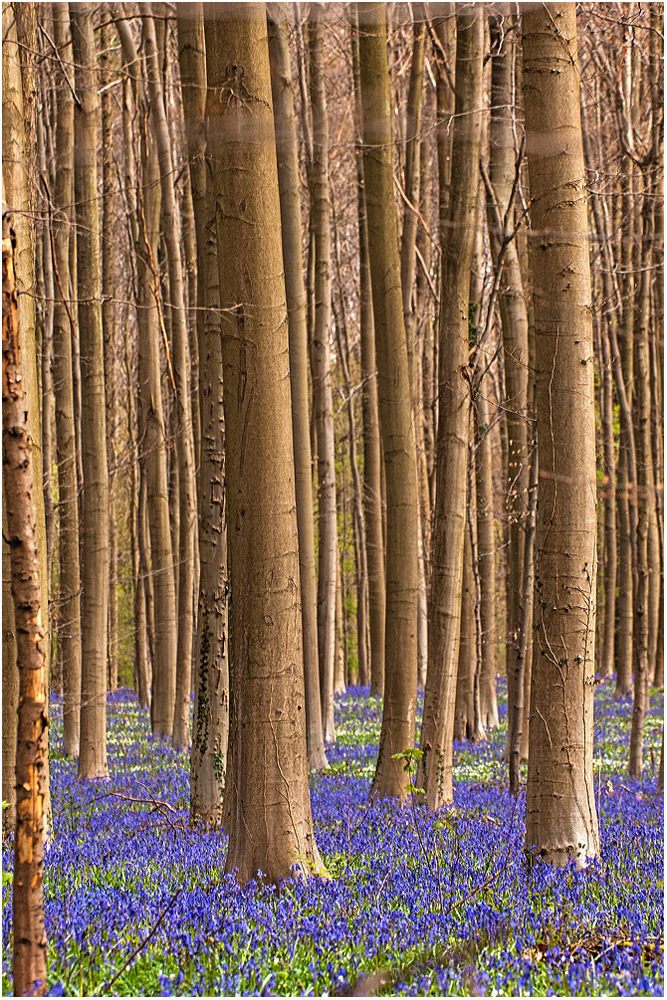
[137, 904]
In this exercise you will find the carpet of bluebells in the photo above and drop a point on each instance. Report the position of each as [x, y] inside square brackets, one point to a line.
[421, 905]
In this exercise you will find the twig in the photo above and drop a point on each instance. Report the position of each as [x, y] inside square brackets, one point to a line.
[107, 986]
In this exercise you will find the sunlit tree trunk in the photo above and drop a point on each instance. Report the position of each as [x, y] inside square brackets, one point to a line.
[400, 697]
[211, 682]
[109, 253]
[10, 687]
[290, 202]
[465, 674]
[141, 651]
[487, 562]
[320, 211]
[267, 800]
[435, 774]
[622, 367]
[45, 290]
[514, 318]
[641, 662]
[18, 147]
[361, 565]
[21, 478]
[155, 499]
[408, 261]
[187, 497]
[69, 580]
[95, 519]
[561, 820]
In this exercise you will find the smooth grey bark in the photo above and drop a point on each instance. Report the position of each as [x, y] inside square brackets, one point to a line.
[290, 205]
[400, 698]
[561, 818]
[95, 509]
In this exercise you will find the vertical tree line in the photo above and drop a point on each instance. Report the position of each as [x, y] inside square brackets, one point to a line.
[339, 335]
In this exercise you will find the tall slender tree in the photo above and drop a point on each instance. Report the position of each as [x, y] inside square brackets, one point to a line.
[435, 774]
[185, 459]
[95, 520]
[69, 576]
[561, 819]
[267, 800]
[18, 152]
[504, 162]
[21, 477]
[320, 221]
[152, 430]
[400, 695]
[290, 208]
[370, 414]
[211, 681]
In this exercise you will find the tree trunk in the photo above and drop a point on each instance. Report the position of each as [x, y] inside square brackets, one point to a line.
[486, 559]
[141, 651]
[522, 662]
[463, 704]
[372, 491]
[267, 801]
[290, 202]
[398, 715]
[10, 687]
[320, 213]
[18, 147]
[361, 565]
[645, 491]
[514, 318]
[342, 657]
[211, 719]
[435, 773]
[31, 776]
[187, 496]
[69, 577]
[109, 252]
[45, 288]
[151, 329]
[95, 520]
[606, 658]
[561, 821]
[622, 366]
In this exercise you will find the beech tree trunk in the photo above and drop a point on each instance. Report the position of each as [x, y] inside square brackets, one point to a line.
[372, 491]
[18, 147]
[151, 329]
[109, 322]
[320, 212]
[267, 800]
[10, 686]
[290, 203]
[465, 675]
[211, 681]
[514, 318]
[645, 496]
[486, 560]
[31, 775]
[435, 771]
[95, 520]
[69, 576]
[187, 498]
[561, 820]
[622, 367]
[361, 565]
[408, 261]
[400, 698]
[142, 665]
